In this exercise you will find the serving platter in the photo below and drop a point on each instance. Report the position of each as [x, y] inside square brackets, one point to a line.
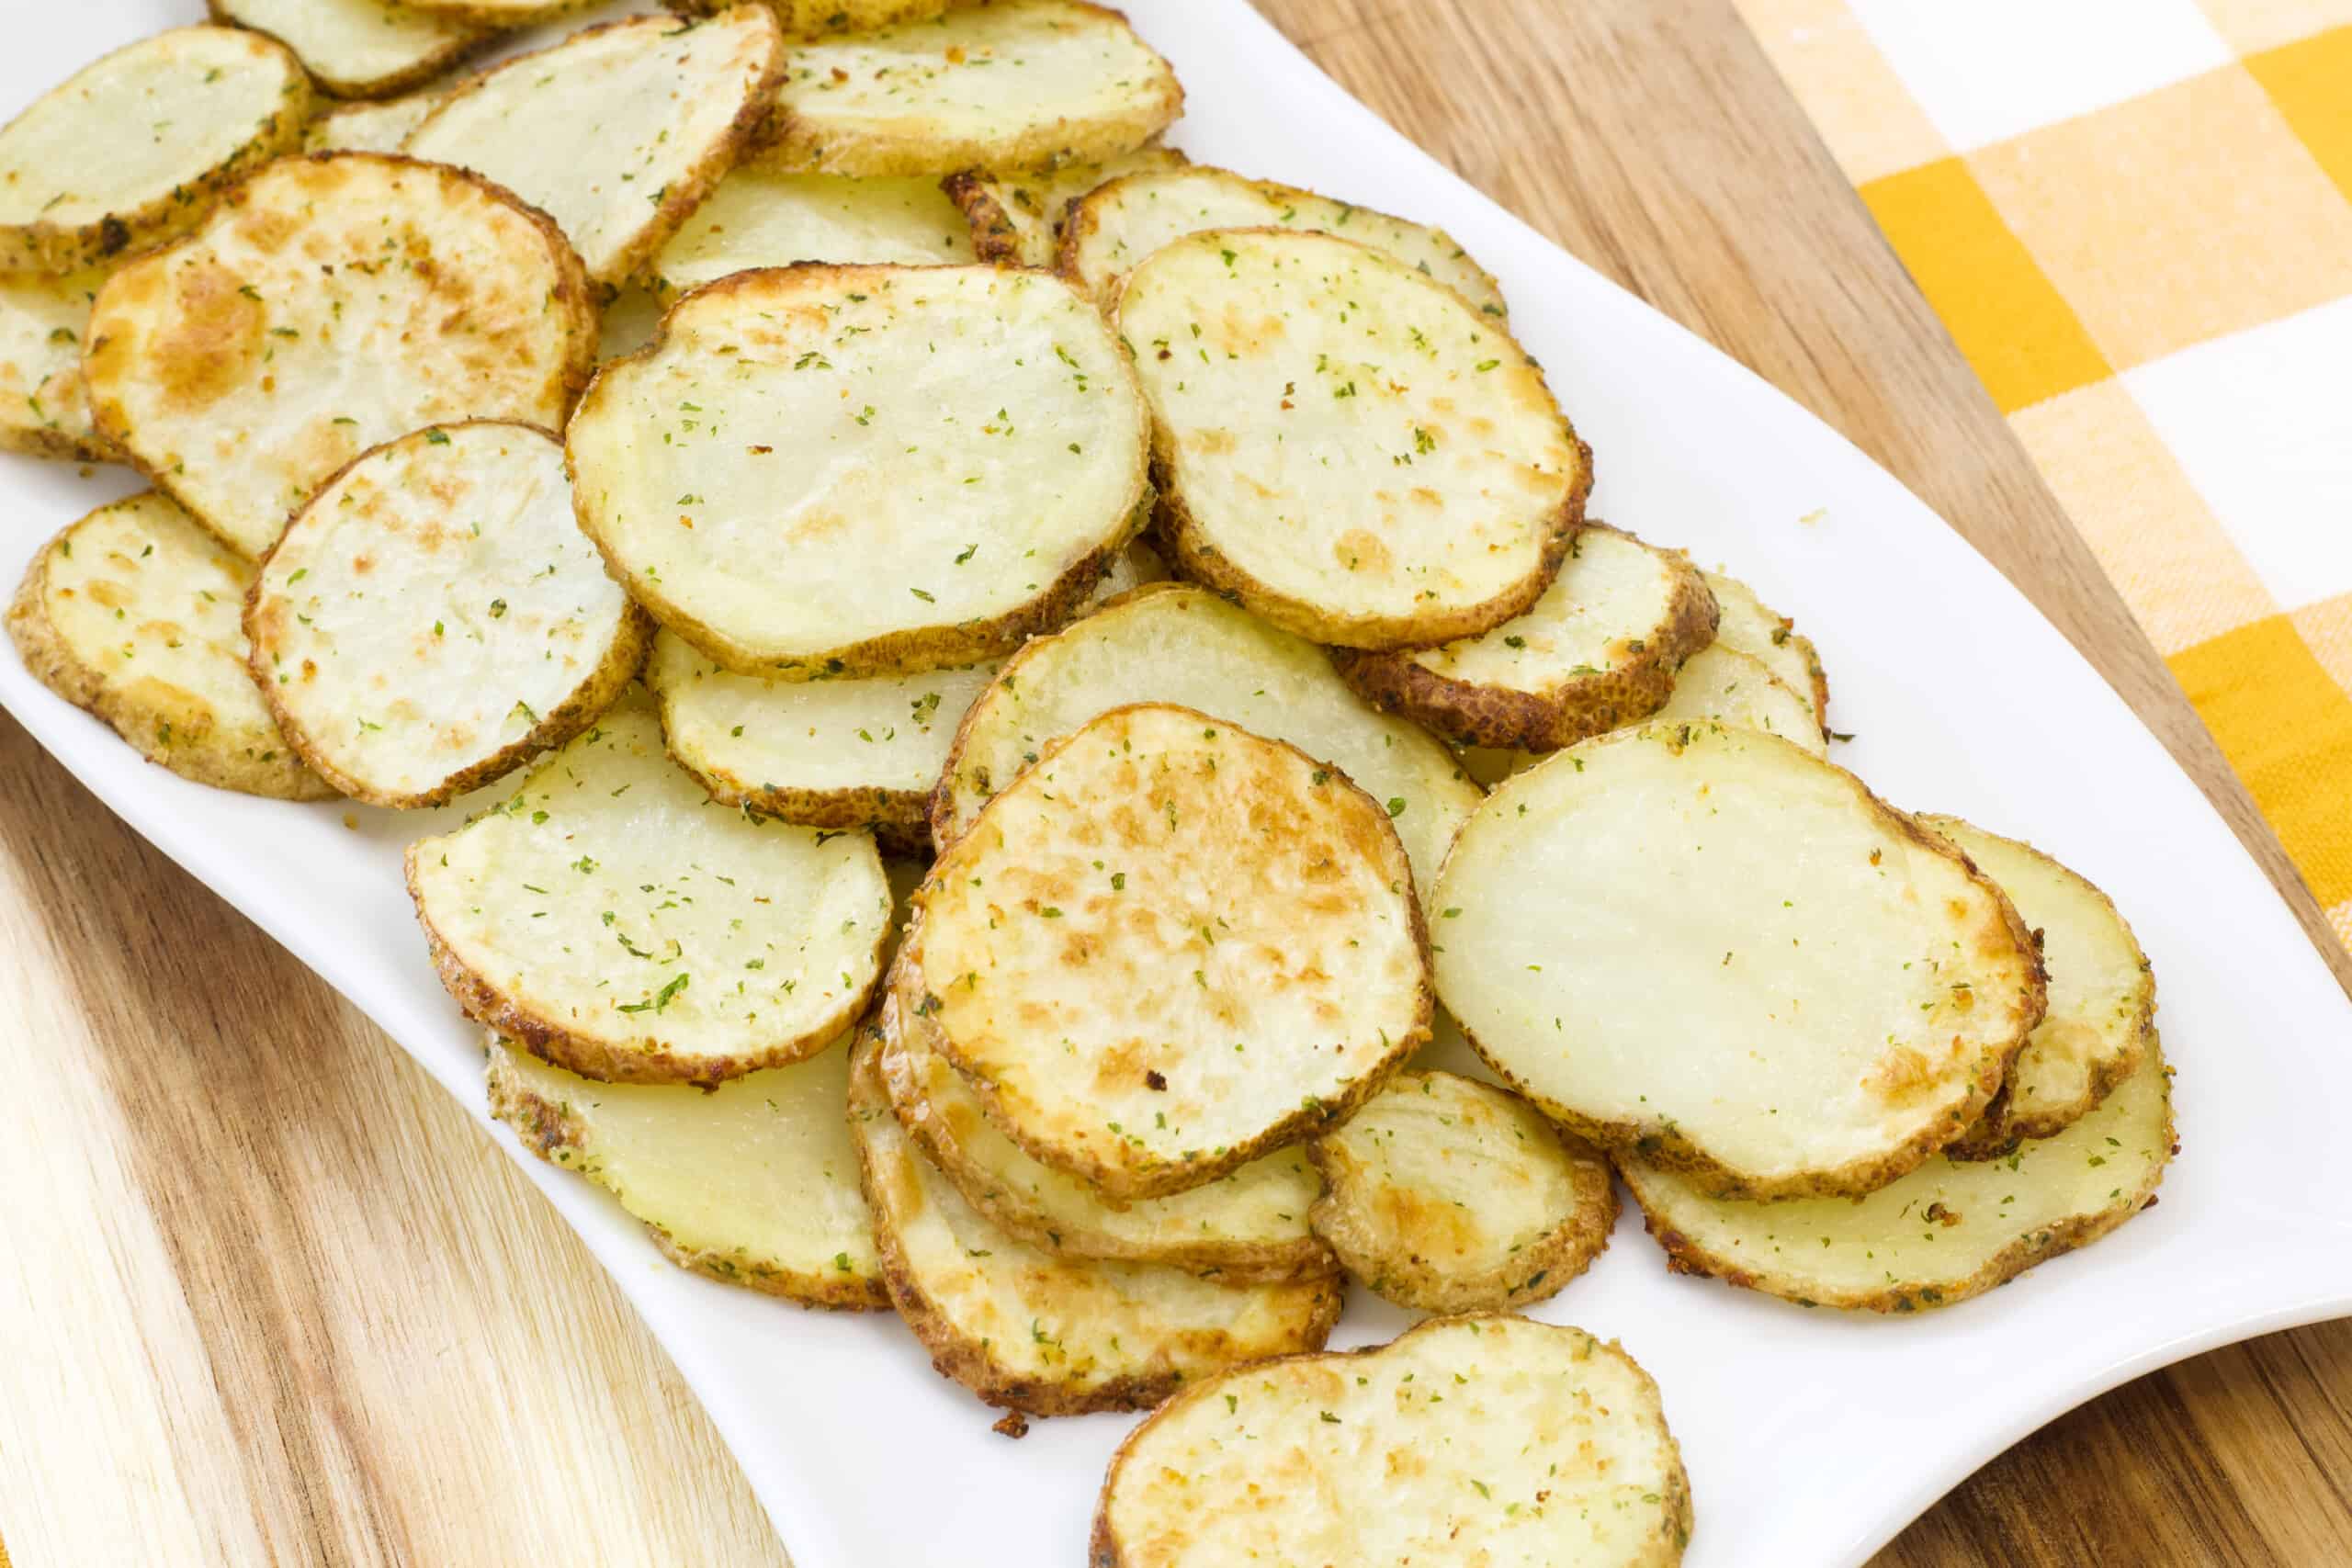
[1810, 1436]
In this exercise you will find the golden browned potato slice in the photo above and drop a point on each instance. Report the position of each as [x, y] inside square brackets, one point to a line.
[1598, 651]
[1179, 643]
[1047, 1335]
[1248, 1226]
[2102, 994]
[228, 365]
[500, 13]
[131, 613]
[1169, 947]
[1346, 446]
[131, 147]
[1011, 84]
[620, 131]
[1707, 945]
[613, 919]
[369, 128]
[1017, 215]
[1465, 1440]
[44, 407]
[1949, 1230]
[759, 217]
[1450, 1195]
[359, 48]
[754, 1182]
[1748, 627]
[811, 18]
[1118, 224]
[839, 471]
[434, 618]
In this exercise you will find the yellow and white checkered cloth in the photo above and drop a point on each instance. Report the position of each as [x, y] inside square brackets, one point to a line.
[2135, 217]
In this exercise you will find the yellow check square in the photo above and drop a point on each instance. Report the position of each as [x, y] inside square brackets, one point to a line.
[2311, 83]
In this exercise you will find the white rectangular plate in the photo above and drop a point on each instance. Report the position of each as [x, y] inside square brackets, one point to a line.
[1812, 1438]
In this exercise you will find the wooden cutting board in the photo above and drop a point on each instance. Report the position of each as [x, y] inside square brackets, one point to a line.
[266, 1295]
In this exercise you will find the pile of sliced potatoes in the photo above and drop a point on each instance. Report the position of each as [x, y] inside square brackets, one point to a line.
[1072, 763]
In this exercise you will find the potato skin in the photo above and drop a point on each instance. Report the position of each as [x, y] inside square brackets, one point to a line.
[994, 237]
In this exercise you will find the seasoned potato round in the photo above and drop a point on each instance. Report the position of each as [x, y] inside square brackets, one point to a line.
[2102, 994]
[614, 921]
[759, 217]
[1450, 1195]
[130, 149]
[499, 13]
[1949, 1230]
[1017, 216]
[1172, 946]
[369, 128]
[1346, 446]
[1707, 945]
[433, 617]
[359, 48]
[1600, 649]
[754, 1182]
[44, 407]
[811, 18]
[832, 470]
[1011, 84]
[1748, 627]
[1047, 1335]
[131, 613]
[1465, 1440]
[228, 366]
[1118, 224]
[1717, 685]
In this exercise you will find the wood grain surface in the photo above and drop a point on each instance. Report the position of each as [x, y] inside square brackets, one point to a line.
[268, 1296]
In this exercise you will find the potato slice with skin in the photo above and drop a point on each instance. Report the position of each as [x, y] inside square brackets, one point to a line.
[1246, 1227]
[1008, 84]
[130, 149]
[359, 48]
[755, 1183]
[500, 13]
[1017, 215]
[1045, 1335]
[131, 613]
[369, 128]
[792, 430]
[618, 131]
[433, 617]
[1248, 962]
[1351, 450]
[1598, 650]
[610, 918]
[1706, 945]
[813, 18]
[1748, 627]
[2102, 994]
[1118, 224]
[1492, 1440]
[758, 218]
[1448, 1195]
[44, 406]
[227, 365]
[1950, 1230]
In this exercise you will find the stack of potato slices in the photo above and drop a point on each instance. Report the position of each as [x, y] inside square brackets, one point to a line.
[1055, 749]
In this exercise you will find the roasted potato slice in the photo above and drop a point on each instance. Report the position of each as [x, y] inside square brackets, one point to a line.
[813, 18]
[1117, 224]
[1007, 85]
[500, 13]
[1045, 1334]
[627, 323]
[617, 132]
[433, 618]
[1946, 1230]
[755, 1183]
[359, 48]
[1017, 215]
[611, 919]
[1345, 444]
[1465, 1440]
[1598, 650]
[369, 128]
[2102, 994]
[131, 613]
[844, 470]
[44, 406]
[1246, 962]
[224, 366]
[1449, 1195]
[1748, 627]
[760, 218]
[131, 149]
[1705, 944]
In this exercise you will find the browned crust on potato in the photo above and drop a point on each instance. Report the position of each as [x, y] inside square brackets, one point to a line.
[994, 238]
[1104, 1550]
[586, 703]
[505, 17]
[48, 661]
[814, 18]
[1579, 708]
[453, 53]
[43, 246]
[44, 441]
